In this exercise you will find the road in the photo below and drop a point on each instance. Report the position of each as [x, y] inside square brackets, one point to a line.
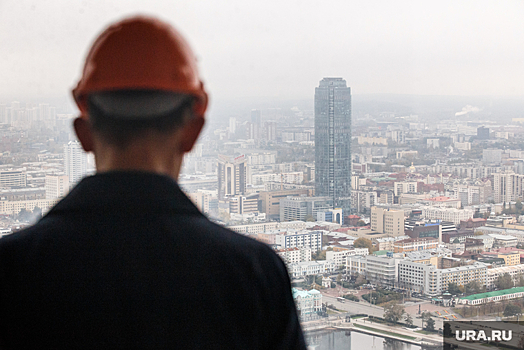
[362, 307]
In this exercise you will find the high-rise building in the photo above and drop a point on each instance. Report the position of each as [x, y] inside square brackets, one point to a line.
[333, 141]
[232, 176]
[56, 186]
[75, 161]
[508, 187]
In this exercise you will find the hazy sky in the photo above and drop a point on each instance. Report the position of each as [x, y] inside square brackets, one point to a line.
[283, 48]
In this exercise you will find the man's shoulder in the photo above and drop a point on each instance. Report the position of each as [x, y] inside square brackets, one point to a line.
[223, 238]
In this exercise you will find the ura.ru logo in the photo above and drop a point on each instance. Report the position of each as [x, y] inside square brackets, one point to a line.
[473, 335]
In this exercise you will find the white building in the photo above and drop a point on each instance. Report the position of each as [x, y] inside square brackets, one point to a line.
[294, 255]
[339, 257]
[431, 281]
[503, 241]
[75, 161]
[302, 239]
[447, 214]
[56, 186]
[309, 268]
[288, 178]
[308, 303]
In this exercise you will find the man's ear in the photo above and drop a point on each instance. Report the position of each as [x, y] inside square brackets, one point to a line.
[84, 133]
[190, 132]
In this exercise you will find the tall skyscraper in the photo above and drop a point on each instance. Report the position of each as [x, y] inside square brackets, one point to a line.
[75, 161]
[232, 176]
[333, 141]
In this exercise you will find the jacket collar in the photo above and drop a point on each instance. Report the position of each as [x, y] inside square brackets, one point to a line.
[129, 191]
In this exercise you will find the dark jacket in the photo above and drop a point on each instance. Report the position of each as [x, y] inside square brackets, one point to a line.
[127, 261]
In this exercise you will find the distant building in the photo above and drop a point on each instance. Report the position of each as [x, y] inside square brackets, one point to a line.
[75, 161]
[332, 215]
[308, 303]
[270, 201]
[482, 133]
[415, 244]
[387, 221]
[232, 176]
[492, 156]
[243, 204]
[303, 208]
[56, 186]
[507, 187]
[13, 178]
[333, 141]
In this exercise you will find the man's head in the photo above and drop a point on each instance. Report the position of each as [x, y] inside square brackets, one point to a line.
[140, 84]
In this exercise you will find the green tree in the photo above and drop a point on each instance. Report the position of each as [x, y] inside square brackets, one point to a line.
[430, 325]
[520, 280]
[512, 310]
[310, 218]
[393, 311]
[364, 243]
[409, 319]
[454, 289]
[360, 281]
[518, 205]
[473, 287]
[504, 281]
[361, 223]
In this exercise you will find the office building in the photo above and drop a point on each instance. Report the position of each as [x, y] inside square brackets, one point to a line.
[303, 208]
[388, 221]
[13, 178]
[243, 204]
[333, 141]
[232, 176]
[270, 201]
[75, 161]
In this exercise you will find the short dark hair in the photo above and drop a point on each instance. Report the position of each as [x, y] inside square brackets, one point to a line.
[122, 132]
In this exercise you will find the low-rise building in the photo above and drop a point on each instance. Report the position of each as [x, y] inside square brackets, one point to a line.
[414, 244]
[294, 255]
[492, 275]
[308, 303]
[503, 241]
[431, 280]
[499, 295]
[309, 268]
[339, 257]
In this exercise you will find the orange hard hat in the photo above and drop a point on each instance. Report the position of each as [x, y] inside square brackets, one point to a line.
[141, 53]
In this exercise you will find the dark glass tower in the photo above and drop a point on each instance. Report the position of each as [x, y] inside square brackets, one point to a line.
[333, 141]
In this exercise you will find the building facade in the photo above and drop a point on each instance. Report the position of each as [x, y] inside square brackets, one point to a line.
[75, 161]
[333, 141]
[232, 176]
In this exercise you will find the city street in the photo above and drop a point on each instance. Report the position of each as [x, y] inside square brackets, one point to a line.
[363, 307]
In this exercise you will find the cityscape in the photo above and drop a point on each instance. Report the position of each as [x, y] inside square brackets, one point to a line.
[377, 148]
[376, 210]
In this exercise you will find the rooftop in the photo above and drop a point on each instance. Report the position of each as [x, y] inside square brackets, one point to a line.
[494, 294]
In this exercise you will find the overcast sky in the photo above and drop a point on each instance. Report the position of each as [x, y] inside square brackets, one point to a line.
[278, 48]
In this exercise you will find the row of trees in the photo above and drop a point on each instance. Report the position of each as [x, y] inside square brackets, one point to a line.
[394, 312]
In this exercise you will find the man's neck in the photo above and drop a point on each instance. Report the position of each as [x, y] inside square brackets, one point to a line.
[139, 157]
